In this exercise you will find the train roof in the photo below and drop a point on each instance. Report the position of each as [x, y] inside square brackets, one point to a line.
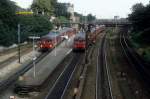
[80, 35]
[65, 29]
[55, 33]
[51, 34]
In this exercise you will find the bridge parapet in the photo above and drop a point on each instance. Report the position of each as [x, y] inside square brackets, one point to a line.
[106, 22]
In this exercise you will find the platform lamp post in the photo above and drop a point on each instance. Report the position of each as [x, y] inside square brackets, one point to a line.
[18, 32]
[86, 44]
[33, 52]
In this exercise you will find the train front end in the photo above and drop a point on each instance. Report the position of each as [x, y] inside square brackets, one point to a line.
[45, 44]
[79, 43]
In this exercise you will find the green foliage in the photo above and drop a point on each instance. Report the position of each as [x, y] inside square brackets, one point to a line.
[63, 19]
[7, 15]
[34, 25]
[139, 18]
[8, 22]
[30, 25]
[61, 10]
[143, 38]
[147, 55]
[82, 17]
[44, 5]
[90, 18]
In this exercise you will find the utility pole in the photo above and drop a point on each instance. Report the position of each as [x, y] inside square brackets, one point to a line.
[115, 18]
[19, 43]
[86, 39]
[86, 46]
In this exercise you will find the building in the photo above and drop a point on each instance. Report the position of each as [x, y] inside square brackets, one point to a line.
[70, 9]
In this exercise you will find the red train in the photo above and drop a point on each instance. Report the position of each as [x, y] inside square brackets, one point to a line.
[53, 38]
[94, 33]
[80, 40]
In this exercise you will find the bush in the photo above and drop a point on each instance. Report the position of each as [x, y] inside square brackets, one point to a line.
[30, 25]
[147, 55]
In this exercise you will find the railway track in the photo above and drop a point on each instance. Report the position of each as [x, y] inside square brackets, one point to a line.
[61, 84]
[24, 51]
[12, 79]
[141, 67]
[9, 81]
[103, 82]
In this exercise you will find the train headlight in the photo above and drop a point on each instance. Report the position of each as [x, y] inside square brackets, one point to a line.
[50, 45]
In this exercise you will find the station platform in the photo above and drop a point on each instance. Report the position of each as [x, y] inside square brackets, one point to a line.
[14, 66]
[36, 75]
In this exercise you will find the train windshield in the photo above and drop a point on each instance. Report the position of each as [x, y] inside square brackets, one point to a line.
[81, 35]
[54, 32]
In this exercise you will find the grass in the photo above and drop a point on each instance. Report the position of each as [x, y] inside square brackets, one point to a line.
[142, 49]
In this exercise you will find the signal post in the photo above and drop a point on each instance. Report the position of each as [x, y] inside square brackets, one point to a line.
[18, 33]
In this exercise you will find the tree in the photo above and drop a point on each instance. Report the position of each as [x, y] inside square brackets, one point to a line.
[7, 16]
[90, 18]
[30, 24]
[139, 18]
[61, 10]
[46, 6]
[8, 22]
[34, 25]
[138, 7]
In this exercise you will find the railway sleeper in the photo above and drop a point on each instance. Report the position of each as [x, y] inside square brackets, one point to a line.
[25, 90]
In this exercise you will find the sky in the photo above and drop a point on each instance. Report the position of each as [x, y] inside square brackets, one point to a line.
[100, 8]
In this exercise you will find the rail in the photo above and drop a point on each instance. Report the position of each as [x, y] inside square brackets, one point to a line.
[59, 88]
[135, 60]
[4, 84]
[103, 74]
